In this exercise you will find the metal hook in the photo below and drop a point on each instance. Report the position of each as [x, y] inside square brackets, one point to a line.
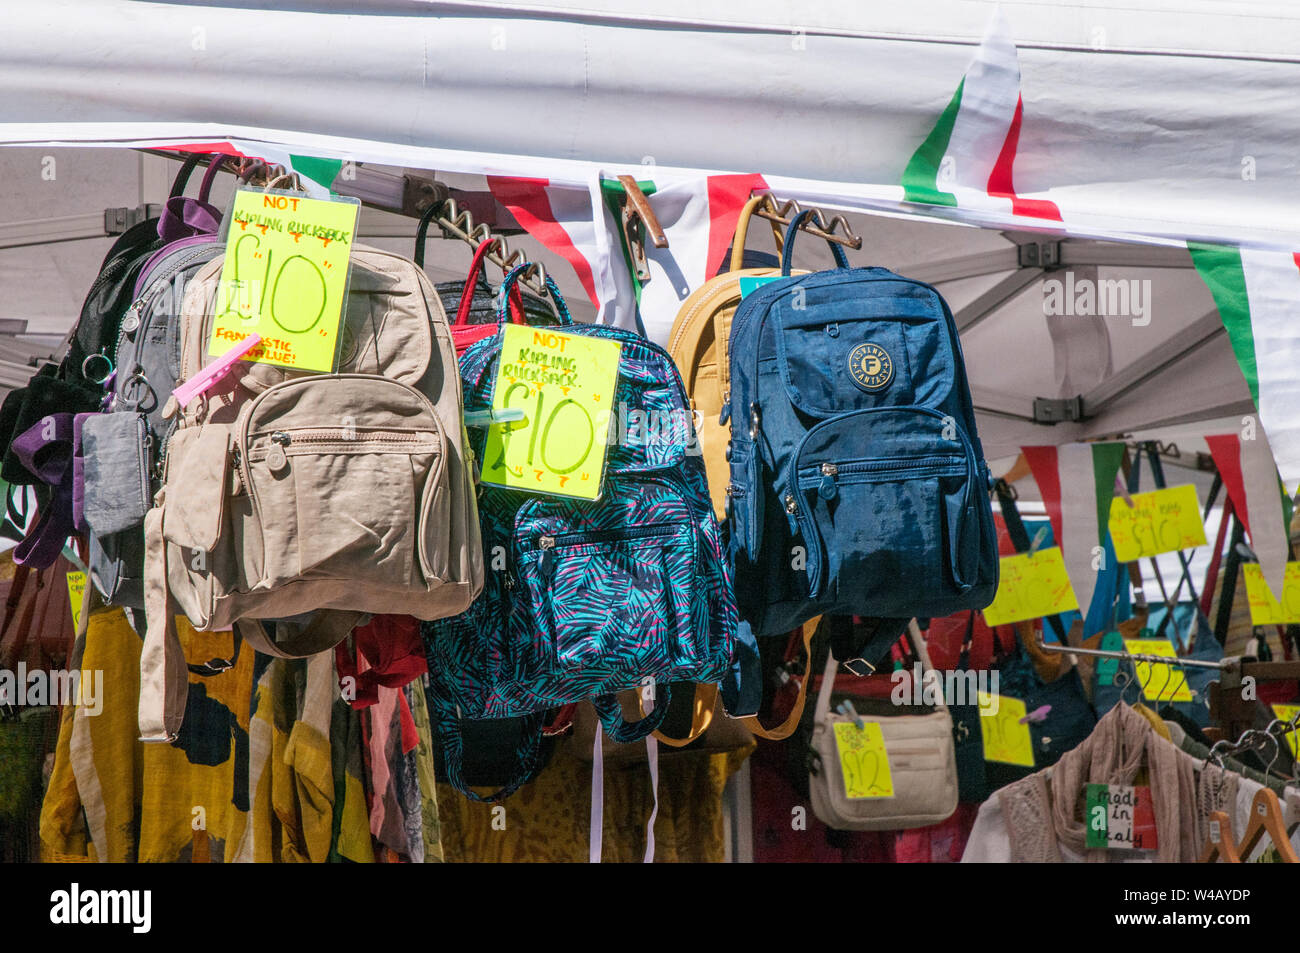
[1169, 677]
[1278, 750]
[1216, 755]
[1127, 679]
[455, 222]
[816, 224]
[1263, 736]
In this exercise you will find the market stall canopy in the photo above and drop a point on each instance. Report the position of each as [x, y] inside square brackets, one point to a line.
[1049, 128]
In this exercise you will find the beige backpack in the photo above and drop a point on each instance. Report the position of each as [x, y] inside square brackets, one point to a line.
[287, 492]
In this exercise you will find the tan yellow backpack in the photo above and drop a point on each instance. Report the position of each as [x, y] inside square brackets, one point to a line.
[698, 346]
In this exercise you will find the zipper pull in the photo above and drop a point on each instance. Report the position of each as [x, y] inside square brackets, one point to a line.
[237, 470]
[547, 545]
[131, 320]
[726, 409]
[827, 489]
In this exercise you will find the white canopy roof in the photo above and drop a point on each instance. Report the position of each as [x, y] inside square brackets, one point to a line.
[1145, 126]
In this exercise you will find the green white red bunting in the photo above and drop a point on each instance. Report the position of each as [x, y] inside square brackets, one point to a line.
[967, 159]
[1077, 483]
[698, 217]
[1258, 297]
[1251, 479]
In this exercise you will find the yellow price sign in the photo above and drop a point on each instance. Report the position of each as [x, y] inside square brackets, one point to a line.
[564, 384]
[76, 595]
[1031, 585]
[864, 762]
[1161, 521]
[1006, 734]
[1286, 713]
[1266, 610]
[1160, 682]
[285, 277]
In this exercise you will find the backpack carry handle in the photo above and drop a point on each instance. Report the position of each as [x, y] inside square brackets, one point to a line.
[742, 232]
[422, 231]
[625, 732]
[508, 287]
[527, 756]
[183, 175]
[185, 217]
[471, 283]
[787, 253]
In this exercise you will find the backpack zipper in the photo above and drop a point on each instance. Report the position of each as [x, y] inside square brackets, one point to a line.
[547, 544]
[236, 462]
[318, 435]
[134, 315]
[828, 488]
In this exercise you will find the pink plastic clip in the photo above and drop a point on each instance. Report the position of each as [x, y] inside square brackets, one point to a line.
[1037, 715]
[215, 371]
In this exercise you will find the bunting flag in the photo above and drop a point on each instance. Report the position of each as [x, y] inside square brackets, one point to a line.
[698, 218]
[1251, 479]
[967, 159]
[317, 175]
[1077, 482]
[1258, 297]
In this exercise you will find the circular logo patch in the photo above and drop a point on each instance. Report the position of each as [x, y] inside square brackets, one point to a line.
[871, 367]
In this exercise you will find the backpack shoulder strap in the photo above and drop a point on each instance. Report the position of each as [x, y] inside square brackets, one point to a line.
[787, 727]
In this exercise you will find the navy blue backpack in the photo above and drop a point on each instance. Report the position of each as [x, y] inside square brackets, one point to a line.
[858, 484]
[585, 599]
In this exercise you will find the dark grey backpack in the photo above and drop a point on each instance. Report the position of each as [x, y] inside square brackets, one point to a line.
[123, 448]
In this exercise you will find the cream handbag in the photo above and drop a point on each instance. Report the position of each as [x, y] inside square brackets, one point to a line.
[921, 760]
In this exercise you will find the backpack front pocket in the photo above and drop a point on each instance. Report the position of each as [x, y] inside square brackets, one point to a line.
[344, 501]
[614, 597]
[118, 452]
[883, 502]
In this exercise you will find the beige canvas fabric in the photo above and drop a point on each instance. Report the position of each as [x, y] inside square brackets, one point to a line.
[922, 765]
[288, 492]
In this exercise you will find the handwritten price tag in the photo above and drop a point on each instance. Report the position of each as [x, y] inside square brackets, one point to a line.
[564, 384]
[1031, 586]
[76, 593]
[1160, 683]
[1286, 713]
[1006, 738]
[285, 277]
[1161, 521]
[1264, 609]
[864, 763]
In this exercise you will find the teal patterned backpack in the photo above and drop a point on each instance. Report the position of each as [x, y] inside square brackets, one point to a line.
[594, 597]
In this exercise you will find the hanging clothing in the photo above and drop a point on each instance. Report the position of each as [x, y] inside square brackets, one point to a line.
[1034, 820]
[92, 806]
[290, 776]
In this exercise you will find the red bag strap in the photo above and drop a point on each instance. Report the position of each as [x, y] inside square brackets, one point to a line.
[476, 272]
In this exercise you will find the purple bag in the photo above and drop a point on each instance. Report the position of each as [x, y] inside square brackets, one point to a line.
[46, 450]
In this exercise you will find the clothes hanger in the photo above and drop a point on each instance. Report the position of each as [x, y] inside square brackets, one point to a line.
[1219, 846]
[1266, 818]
